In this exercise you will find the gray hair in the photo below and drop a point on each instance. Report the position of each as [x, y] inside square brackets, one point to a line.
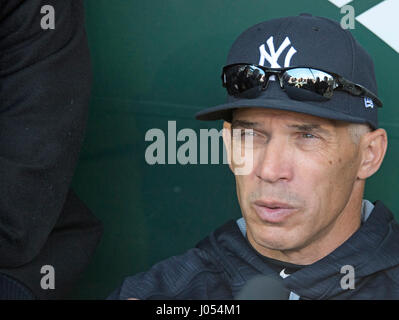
[356, 131]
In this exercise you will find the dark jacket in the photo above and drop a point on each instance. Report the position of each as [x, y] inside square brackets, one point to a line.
[45, 83]
[220, 265]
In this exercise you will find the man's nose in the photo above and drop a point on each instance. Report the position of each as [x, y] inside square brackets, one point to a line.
[275, 161]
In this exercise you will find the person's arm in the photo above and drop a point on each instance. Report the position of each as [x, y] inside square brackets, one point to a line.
[192, 275]
[45, 82]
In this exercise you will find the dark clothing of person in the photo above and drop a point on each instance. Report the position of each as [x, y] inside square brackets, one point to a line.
[45, 83]
[220, 265]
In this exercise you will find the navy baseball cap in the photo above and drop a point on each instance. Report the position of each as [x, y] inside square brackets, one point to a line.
[303, 40]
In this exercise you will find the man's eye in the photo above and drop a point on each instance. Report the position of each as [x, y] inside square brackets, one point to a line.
[247, 133]
[306, 135]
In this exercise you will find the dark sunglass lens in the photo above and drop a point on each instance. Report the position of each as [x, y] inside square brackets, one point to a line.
[244, 81]
[308, 84]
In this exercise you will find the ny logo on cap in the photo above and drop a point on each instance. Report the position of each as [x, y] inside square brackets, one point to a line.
[273, 56]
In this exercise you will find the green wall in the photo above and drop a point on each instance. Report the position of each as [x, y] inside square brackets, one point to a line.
[160, 60]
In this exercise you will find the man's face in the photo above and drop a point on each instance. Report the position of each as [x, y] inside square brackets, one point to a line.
[303, 165]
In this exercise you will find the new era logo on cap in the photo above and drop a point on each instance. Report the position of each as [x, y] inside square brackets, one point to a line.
[368, 102]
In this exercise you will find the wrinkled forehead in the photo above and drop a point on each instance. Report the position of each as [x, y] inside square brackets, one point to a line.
[263, 115]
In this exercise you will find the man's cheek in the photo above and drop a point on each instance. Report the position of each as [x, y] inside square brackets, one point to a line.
[242, 190]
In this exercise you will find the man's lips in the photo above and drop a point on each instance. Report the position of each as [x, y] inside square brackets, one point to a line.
[273, 211]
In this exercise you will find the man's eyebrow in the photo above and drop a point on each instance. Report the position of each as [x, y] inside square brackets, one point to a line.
[309, 127]
[244, 124]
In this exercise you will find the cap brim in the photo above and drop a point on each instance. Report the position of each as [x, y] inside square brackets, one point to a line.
[223, 111]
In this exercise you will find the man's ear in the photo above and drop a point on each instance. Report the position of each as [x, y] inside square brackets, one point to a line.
[227, 141]
[373, 148]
